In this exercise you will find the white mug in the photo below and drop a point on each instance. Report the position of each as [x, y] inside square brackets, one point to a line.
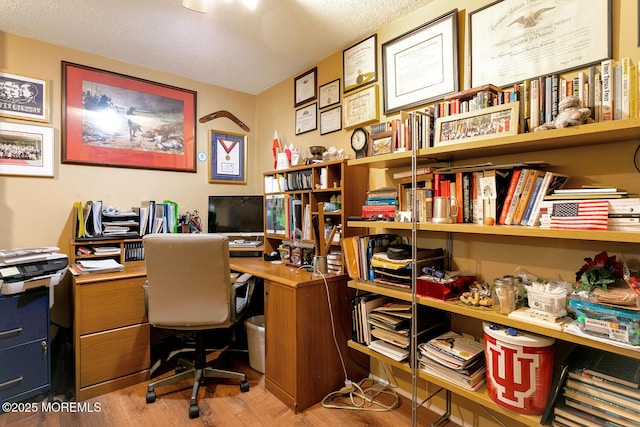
[445, 209]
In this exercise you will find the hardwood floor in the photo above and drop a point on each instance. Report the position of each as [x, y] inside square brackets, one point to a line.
[221, 404]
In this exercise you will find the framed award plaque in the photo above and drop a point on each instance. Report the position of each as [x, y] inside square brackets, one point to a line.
[228, 155]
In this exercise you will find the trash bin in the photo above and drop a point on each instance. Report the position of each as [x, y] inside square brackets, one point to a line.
[255, 341]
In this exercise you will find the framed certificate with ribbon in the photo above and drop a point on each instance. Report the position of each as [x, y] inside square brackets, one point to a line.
[228, 154]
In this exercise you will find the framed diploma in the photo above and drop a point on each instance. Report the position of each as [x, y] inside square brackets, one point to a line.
[307, 118]
[305, 87]
[360, 64]
[361, 107]
[329, 94]
[511, 40]
[421, 65]
[228, 155]
[330, 120]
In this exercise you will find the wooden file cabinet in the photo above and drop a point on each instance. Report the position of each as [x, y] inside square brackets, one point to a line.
[24, 345]
[111, 332]
[301, 361]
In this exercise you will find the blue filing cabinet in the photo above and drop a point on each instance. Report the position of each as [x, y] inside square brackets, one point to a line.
[24, 345]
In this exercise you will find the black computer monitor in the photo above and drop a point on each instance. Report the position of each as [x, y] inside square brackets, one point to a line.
[236, 215]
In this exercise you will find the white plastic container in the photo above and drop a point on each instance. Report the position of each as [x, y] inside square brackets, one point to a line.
[255, 341]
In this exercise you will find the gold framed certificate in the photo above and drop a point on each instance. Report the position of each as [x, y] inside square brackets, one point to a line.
[361, 107]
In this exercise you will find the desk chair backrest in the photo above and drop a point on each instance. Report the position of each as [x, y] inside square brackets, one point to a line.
[189, 285]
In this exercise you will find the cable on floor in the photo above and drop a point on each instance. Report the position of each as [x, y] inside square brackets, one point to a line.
[366, 395]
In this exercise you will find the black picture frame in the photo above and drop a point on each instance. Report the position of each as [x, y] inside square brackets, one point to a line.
[360, 64]
[305, 87]
[421, 65]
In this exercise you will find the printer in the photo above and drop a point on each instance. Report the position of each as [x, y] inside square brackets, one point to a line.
[26, 268]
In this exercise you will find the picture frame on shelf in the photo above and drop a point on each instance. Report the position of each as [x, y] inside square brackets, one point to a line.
[329, 94]
[331, 120]
[360, 63]
[150, 125]
[305, 87]
[24, 97]
[486, 123]
[33, 147]
[306, 119]
[382, 143]
[511, 41]
[421, 65]
[361, 107]
[228, 157]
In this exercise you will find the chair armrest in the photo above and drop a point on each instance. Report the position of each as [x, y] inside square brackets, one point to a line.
[145, 286]
[241, 292]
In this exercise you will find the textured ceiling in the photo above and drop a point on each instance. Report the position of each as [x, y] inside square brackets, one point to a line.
[230, 46]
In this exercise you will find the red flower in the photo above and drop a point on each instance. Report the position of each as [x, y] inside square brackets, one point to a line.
[599, 271]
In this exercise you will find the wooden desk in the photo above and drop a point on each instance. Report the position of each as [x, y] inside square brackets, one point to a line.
[110, 331]
[302, 364]
[112, 343]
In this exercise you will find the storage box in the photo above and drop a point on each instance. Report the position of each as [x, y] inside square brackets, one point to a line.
[443, 289]
[519, 368]
[612, 323]
[552, 303]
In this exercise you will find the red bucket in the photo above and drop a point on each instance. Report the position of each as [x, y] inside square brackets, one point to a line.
[519, 368]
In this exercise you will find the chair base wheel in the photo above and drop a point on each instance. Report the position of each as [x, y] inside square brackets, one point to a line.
[151, 396]
[194, 411]
[244, 386]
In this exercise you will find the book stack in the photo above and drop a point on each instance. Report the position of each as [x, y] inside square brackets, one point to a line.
[390, 325]
[334, 262]
[381, 203]
[600, 389]
[590, 208]
[455, 358]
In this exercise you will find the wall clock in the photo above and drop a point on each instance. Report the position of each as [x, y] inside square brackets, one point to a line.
[360, 142]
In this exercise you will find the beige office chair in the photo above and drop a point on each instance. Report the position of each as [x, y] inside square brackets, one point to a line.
[189, 289]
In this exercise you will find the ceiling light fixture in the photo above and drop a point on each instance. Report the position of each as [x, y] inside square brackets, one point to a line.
[196, 5]
[202, 6]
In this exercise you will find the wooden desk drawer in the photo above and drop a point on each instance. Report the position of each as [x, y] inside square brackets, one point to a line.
[27, 320]
[110, 304]
[112, 354]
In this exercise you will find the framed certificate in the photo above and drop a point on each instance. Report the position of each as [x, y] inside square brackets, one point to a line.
[305, 87]
[228, 155]
[329, 94]
[361, 107]
[360, 63]
[307, 118]
[330, 120]
[421, 65]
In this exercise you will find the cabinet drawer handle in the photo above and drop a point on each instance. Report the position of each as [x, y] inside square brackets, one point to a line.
[7, 383]
[11, 331]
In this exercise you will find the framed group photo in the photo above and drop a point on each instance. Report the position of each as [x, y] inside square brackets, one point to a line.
[26, 150]
[228, 156]
[421, 65]
[110, 119]
[25, 98]
[490, 122]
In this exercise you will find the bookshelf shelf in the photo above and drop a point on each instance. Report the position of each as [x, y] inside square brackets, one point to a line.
[509, 230]
[479, 396]
[575, 141]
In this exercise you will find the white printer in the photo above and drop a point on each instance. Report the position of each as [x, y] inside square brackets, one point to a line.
[25, 268]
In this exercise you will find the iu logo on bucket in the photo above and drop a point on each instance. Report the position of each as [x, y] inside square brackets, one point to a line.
[514, 373]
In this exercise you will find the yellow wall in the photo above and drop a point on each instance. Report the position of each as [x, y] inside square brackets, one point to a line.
[36, 211]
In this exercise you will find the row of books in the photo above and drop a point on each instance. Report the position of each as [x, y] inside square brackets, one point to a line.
[412, 129]
[595, 388]
[381, 203]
